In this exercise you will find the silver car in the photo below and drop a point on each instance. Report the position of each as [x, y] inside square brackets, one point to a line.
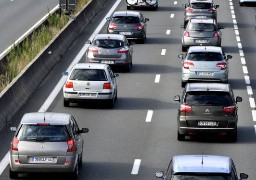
[142, 3]
[200, 167]
[204, 63]
[201, 32]
[46, 142]
[111, 49]
[90, 82]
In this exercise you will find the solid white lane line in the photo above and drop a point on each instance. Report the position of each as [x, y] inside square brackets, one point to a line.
[149, 116]
[239, 45]
[254, 115]
[4, 163]
[243, 60]
[247, 80]
[252, 102]
[241, 52]
[60, 84]
[237, 32]
[249, 90]
[168, 32]
[172, 16]
[245, 70]
[163, 52]
[157, 78]
[175, 2]
[238, 38]
[136, 166]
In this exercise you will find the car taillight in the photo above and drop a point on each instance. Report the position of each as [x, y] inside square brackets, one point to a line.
[230, 109]
[186, 34]
[71, 145]
[186, 65]
[212, 10]
[185, 108]
[139, 27]
[112, 26]
[216, 35]
[189, 10]
[123, 51]
[69, 84]
[15, 143]
[106, 86]
[222, 65]
[93, 50]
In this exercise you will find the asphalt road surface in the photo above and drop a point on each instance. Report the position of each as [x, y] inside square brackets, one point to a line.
[124, 134]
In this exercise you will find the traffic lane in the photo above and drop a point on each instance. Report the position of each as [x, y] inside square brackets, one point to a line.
[17, 17]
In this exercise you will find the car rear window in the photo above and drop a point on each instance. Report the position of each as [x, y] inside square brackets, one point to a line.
[201, 5]
[126, 20]
[210, 56]
[108, 43]
[88, 75]
[202, 177]
[208, 98]
[201, 27]
[43, 133]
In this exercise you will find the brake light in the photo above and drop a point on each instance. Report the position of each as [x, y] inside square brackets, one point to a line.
[112, 26]
[139, 27]
[106, 86]
[222, 65]
[189, 10]
[212, 10]
[123, 51]
[186, 65]
[69, 84]
[185, 108]
[15, 143]
[93, 50]
[71, 145]
[230, 109]
[186, 34]
[216, 35]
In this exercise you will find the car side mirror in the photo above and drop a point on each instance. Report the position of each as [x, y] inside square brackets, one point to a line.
[216, 6]
[116, 75]
[239, 99]
[229, 57]
[88, 42]
[13, 129]
[243, 176]
[176, 98]
[65, 73]
[180, 56]
[159, 174]
[146, 19]
[108, 18]
[83, 130]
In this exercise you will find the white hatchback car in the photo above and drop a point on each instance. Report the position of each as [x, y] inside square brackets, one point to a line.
[90, 82]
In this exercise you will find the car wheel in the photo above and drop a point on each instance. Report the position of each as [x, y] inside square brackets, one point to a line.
[233, 137]
[181, 137]
[128, 67]
[74, 175]
[183, 83]
[111, 103]
[116, 96]
[13, 175]
[183, 48]
[128, 8]
[80, 163]
[66, 103]
[156, 7]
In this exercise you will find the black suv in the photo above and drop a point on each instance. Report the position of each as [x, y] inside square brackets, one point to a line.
[207, 108]
[132, 24]
[200, 9]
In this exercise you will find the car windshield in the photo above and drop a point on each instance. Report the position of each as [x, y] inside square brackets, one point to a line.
[88, 75]
[208, 98]
[108, 43]
[201, 27]
[202, 177]
[202, 56]
[126, 20]
[45, 133]
[201, 5]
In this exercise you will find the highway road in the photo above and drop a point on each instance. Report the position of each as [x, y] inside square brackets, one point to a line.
[139, 136]
[17, 17]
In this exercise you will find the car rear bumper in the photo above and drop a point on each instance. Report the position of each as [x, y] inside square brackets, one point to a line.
[205, 130]
[74, 97]
[110, 62]
[192, 42]
[133, 35]
[192, 76]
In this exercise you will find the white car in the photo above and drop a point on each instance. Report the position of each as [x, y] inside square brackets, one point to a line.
[90, 82]
[142, 3]
[243, 2]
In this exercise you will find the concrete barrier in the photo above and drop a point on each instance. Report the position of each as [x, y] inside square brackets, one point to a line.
[17, 93]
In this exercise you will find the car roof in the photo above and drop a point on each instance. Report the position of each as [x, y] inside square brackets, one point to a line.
[200, 20]
[89, 66]
[201, 1]
[201, 164]
[126, 13]
[110, 36]
[208, 87]
[214, 49]
[45, 117]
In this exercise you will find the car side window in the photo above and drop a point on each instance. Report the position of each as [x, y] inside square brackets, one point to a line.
[233, 172]
[74, 125]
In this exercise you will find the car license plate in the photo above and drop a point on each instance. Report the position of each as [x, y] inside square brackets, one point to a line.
[87, 94]
[199, 17]
[201, 41]
[107, 62]
[205, 73]
[125, 33]
[42, 160]
[207, 123]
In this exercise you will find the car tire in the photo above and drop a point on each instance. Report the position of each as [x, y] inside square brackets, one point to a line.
[183, 83]
[128, 67]
[233, 137]
[116, 96]
[111, 103]
[180, 137]
[183, 48]
[128, 7]
[13, 175]
[66, 103]
[156, 7]
[74, 175]
[80, 163]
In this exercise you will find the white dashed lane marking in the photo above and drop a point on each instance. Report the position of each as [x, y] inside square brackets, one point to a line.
[136, 166]
[243, 60]
[163, 52]
[175, 2]
[172, 16]
[239, 45]
[254, 115]
[252, 102]
[247, 80]
[157, 78]
[241, 53]
[149, 116]
[245, 70]
[168, 32]
[249, 90]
